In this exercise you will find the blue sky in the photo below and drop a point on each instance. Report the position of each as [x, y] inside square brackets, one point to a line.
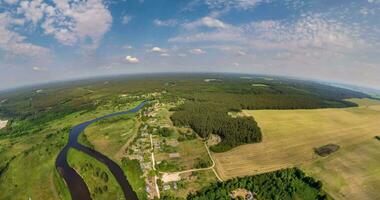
[45, 40]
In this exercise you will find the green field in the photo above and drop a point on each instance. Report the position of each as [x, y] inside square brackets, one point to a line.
[289, 137]
[31, 174]
[112, 136]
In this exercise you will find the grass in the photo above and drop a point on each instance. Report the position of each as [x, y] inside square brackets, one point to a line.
[134, 174]
[100, 181]
[31, 174]
[109, 136]
[289, 137]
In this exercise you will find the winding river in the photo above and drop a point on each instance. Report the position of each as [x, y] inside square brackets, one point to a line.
[77, 187]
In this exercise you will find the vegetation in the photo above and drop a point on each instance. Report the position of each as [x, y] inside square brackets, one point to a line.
[134, 175]
[168, 166]
[206, 118]
[377, 137]
[109, 135]
[326, 149]
[30, 172]
[203, 163]
[282, 184]
[164, 132]
[98, 178]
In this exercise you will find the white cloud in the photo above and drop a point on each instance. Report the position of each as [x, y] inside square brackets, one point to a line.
[131, 59]
[164, 55]
[312, 31]
[14, 44]
[197, 51]
[32, 10]
[126, 19]
[241, 53]
[224, 35]
[169, 22]
[236, 4]
[70, 22]
[36, 69]
[236, 64]
[205, 21]
[158, 50]
[127, 47]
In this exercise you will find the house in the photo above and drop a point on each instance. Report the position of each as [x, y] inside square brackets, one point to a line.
[174, 155]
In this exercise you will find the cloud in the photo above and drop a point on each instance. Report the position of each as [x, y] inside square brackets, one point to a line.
[126, 19]
[241, 53]
[32, 10]
[131, 59]
[158, 50]
[164, 55]
[224, 35]
[197, 51]
[36, 69]
[233, 4]
[169, 22]
[205, 21]
[127, 47]
[14, 44]
[70, 22]
[311, 31]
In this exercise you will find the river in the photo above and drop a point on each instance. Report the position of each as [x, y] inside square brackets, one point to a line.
[77, 187]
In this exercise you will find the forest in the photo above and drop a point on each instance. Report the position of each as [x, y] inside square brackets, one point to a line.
[285, 184]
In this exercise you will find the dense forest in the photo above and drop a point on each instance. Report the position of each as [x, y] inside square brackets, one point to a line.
[212, 118]
[283, 184]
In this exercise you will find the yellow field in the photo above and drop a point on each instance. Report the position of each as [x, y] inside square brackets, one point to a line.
[289, 137]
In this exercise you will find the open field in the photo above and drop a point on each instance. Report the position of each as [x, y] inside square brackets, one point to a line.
[31, 174]
[111, 137]
[289, 137]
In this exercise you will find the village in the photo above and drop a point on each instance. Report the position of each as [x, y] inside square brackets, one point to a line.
[169, 156]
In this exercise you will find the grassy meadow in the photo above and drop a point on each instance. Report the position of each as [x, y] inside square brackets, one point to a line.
[289, 139]
[112, 136]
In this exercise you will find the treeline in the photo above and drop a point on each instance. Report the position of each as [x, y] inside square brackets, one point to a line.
[207, 118]
[286, 184]
[283, 184]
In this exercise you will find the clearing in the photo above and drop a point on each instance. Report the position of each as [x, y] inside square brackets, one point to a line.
[3, 123]
[289, 139]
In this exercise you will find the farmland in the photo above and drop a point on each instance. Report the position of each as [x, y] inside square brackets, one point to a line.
[289, 139]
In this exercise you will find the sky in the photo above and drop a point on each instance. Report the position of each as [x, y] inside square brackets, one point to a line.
[329, 40]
